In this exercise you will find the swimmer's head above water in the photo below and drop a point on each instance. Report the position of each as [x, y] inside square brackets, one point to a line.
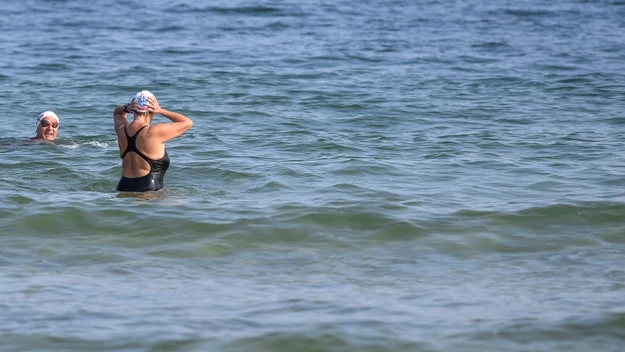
[47, 126]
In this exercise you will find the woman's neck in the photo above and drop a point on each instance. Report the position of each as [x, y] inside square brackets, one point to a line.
[144, 120]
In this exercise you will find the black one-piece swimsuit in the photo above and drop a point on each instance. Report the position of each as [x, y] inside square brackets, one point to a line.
[153, 181]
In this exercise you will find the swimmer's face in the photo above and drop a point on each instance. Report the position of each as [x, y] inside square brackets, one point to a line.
[48, 128]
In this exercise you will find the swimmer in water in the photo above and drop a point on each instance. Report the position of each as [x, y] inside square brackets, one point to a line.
[47, 126]
[142, 144]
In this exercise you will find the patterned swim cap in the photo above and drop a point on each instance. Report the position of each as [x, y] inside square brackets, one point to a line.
[142, 100]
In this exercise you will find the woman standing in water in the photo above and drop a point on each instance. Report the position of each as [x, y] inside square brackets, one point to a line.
[142, 144]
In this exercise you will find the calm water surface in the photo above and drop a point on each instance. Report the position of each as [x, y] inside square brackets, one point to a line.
[361, 176]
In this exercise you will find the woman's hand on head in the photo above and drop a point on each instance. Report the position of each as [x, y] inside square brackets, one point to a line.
[132, 107]
[154, 106]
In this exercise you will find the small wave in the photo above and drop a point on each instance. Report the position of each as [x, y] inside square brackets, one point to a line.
[536, 229]
[75, 145]
[529, 13]
[602, 333]
[241, 10]
[98, 144]
[326, 340]
[11, 144]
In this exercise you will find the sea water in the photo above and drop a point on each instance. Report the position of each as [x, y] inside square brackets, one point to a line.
[369, 175]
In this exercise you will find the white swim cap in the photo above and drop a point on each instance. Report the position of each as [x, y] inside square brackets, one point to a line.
[142, 100]
[46, 113]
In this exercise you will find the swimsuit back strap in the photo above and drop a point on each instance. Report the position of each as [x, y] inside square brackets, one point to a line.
[131, 143]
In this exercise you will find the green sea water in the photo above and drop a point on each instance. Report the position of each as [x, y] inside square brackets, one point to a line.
[360, 176]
